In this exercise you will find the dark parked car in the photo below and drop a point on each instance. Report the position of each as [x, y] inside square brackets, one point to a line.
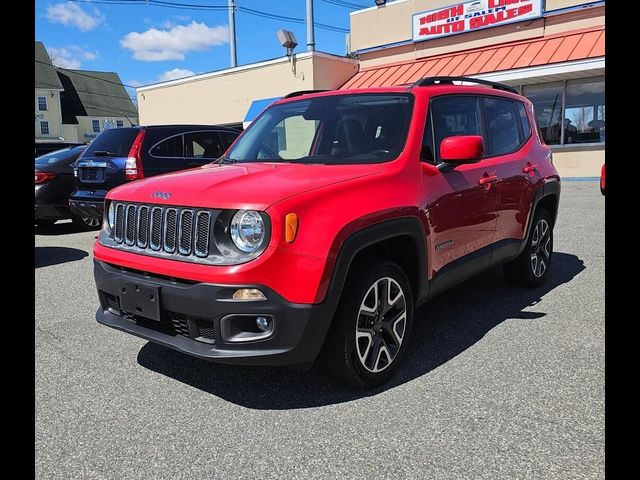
[47, 147]
[54, 184]
[120, 155]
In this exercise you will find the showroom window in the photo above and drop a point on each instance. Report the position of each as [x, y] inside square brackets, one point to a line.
[547, 102]
[584, 111]
[570, 112]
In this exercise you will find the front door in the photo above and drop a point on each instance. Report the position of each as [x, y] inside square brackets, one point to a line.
[461, 203]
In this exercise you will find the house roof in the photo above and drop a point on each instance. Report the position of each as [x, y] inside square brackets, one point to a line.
[568, 46]
[45, 72]
[93, 94]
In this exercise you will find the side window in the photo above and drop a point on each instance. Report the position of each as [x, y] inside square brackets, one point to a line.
[228, 138]
[426, 153]
[524, 120]
[502, 127]
[203, 145]
[452, 116]
[171, 147]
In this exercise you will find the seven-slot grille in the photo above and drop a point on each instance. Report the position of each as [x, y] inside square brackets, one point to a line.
[176, 231]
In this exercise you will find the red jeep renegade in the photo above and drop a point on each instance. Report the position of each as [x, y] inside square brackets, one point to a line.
[327, 222]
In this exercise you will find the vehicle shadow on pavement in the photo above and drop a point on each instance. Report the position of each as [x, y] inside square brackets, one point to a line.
[46, 256]
[444, 327]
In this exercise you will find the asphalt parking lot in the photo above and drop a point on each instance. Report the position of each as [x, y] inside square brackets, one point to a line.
[498, 382]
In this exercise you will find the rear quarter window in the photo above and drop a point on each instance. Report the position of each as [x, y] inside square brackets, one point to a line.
[170, 147]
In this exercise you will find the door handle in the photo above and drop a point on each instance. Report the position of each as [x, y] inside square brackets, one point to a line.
[530, 167]
[488, 179]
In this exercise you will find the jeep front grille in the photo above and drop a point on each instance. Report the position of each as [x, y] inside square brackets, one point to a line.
[180, 232]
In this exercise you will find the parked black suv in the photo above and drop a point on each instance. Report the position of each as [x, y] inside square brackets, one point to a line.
[120, 155]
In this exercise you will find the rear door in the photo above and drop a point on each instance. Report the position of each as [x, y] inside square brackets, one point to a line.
[461, 203]
[509, 142]
[101, 166]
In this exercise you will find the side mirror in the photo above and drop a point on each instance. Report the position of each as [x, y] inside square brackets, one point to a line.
[462, 149]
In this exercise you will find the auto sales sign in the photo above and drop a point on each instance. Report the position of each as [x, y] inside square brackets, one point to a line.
[470, 16]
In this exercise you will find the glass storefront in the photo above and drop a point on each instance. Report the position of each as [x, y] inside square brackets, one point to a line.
[571, 112]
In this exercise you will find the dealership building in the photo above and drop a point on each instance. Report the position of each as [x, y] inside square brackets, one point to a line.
[552, 51]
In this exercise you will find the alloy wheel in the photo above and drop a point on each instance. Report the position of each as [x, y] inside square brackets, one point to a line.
[91, 221]
[540, 248]
[382, 320]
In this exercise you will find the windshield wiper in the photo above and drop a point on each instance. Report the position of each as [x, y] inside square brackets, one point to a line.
[226, 160]
[103, 153]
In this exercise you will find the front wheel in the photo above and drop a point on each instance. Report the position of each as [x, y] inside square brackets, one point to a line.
[373, 322]
[531, 267]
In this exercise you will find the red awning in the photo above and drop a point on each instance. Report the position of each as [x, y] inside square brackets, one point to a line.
[569, 46]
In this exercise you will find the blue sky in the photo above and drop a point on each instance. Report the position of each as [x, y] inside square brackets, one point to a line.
[147, 43]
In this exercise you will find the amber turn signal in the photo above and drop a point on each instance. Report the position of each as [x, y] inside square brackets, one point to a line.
[291, 227]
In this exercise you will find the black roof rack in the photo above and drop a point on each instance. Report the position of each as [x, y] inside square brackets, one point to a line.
[423, 82]
[303, 92]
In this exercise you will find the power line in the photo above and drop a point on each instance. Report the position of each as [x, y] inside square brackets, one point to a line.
[192, 6]
[274, 16]
[340, 3]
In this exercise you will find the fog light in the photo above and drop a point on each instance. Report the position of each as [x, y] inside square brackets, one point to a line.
[248, 294]
[262, 323]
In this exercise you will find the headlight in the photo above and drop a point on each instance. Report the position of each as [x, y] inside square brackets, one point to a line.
[247, 230]
[111, 215]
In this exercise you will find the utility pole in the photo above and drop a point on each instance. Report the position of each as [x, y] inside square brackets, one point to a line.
[311, 43]
[232, 33]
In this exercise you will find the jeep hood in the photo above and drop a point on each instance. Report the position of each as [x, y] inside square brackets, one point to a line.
[250, 185]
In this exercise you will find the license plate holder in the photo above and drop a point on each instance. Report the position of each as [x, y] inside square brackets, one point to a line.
[140, 299]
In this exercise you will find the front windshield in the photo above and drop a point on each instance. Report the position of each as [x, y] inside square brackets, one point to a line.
[336, 129]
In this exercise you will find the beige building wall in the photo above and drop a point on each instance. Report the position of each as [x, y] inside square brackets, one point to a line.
[84, 128]
[391, 24]
[70, 133]
[579, 163]
[53, 115]
[225, 96]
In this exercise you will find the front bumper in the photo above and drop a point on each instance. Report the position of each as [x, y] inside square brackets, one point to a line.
[87, 208]
[194, 316]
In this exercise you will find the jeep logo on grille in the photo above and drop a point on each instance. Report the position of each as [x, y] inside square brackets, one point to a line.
[162, 195]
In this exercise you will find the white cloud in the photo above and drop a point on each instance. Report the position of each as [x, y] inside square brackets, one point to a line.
[134, 83]
[71, 56]
[172, 44]
[174, 74]
[70, 13]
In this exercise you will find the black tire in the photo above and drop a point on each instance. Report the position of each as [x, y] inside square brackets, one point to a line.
[44, 222]
[354, 362]
[86, 223]
[526, 270]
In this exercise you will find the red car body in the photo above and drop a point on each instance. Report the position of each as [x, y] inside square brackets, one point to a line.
[486, 206]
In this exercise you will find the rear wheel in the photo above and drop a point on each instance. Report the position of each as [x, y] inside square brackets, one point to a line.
[531, 267]
[373, 322]
[88, 223]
